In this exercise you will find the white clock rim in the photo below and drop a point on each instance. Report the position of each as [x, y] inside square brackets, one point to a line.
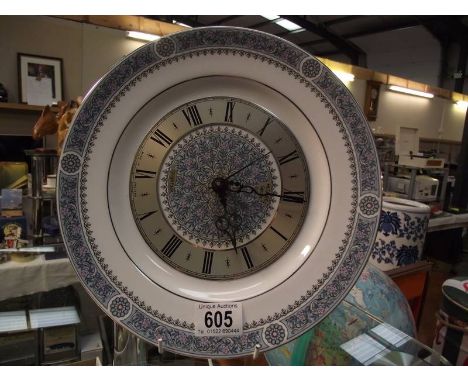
[157, 270]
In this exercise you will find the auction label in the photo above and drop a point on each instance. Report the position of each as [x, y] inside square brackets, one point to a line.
[218, 319]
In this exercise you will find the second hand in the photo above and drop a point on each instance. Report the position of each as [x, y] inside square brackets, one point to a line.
[249, 164]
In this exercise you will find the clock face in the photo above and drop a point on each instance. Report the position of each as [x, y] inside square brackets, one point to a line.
[219, 188]
[219, 166]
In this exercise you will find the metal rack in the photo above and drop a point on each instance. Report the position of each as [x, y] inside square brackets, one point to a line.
[42, 164]
[413, 173]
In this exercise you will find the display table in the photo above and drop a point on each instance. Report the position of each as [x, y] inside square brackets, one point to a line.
[444, 239]
[39, 275]
[447, 221]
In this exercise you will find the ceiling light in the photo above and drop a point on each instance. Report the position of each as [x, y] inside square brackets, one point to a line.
[142, 36]
[270, 17]
[462, 104]
[345, 77]
[410, 91]
[181, 24]
[286, 24]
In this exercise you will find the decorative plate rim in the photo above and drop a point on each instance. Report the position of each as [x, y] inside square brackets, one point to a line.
[120, 303]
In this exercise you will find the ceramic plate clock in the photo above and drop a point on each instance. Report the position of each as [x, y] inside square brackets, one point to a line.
[219, 165]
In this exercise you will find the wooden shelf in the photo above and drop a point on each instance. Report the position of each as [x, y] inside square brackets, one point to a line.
[21, 107]
[421, 139]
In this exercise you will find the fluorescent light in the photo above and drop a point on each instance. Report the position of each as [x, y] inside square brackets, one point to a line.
[270, 17]
[286, 24]
[142, 36]
[462, 104]
[181, 24]
[345, 77]
[410, 91]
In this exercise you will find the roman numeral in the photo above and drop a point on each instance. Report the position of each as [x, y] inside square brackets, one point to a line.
[262, 130]
[293, 197]
[171, 246]
[247, 258]
[146, 215]
[207, 262]
[161, 138]
[192, 116]
[229, 109]
[279, 233]
[145, 174]
[288, 158]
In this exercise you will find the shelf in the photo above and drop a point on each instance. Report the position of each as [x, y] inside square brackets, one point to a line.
[421, 139]
[21, 107]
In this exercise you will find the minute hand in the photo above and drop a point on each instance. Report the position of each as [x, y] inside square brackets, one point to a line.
[248, 164]
[288, 196]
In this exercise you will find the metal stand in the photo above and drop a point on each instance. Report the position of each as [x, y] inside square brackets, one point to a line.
[256, 351]
[42, 163]
[129, 350]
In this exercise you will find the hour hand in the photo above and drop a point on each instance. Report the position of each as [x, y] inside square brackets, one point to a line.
[223, 224]
[234, 186]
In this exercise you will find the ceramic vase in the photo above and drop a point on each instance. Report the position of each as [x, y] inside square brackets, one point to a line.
[401, 233]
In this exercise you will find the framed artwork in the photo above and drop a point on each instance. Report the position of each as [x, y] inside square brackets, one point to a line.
[40, 79]
[372, 100]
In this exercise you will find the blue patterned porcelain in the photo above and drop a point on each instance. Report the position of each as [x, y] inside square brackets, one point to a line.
[157, 303]
[402, 230]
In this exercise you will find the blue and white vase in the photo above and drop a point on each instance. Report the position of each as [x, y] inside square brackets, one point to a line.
[401, 233]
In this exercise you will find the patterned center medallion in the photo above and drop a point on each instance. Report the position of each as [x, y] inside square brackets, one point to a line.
[188, 199]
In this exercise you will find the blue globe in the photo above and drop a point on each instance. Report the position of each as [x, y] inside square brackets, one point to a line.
[374, 292]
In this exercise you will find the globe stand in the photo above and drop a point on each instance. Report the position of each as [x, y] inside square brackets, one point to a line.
[435, 357]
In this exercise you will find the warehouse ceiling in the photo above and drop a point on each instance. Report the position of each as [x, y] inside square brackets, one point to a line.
[329, 36]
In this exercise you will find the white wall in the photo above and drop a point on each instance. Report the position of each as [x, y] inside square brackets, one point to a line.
[87, 52]
[102, 48]
[436, 118]
[41, 36]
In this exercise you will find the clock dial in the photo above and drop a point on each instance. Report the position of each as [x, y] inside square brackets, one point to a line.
[223, 180]
[158, 145]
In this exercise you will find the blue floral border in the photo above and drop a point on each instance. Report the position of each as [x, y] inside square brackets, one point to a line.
[72, 198]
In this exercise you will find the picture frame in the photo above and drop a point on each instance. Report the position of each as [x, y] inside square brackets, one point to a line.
[40, 79]
[372, 100]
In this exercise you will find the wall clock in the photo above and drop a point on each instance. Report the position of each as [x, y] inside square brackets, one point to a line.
[219, 165]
